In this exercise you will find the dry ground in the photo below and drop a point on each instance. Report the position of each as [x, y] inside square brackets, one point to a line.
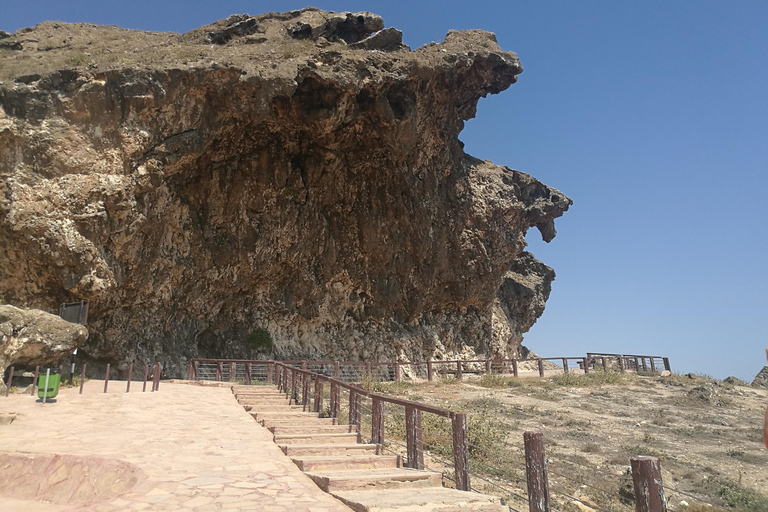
[707, 433]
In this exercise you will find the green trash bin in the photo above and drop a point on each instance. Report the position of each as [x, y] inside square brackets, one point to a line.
[53, 386]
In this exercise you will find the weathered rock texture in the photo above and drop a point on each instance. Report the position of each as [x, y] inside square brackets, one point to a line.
[295, 172]
[34, 337]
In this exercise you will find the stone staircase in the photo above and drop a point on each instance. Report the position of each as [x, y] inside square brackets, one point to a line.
[356, 473]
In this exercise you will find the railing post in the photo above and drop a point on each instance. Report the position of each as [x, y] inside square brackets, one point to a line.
[158, 371]
[351, 407]
[306, 392]
[653, 365]
[429, 371]
[487, 366]
[82, 378]
[541, 367]
[335, 399]
[34, 383]
[270, 372]
[413, 438]
[194, 370]
[128, 386]
[318, 395]
[514, 367]
[336, 370]
[666, 364]
[304, 366]
[247, 378]
[649, 489]
[377, 421]
[622, 366]
[459, 370]
[645, 367]
[586, 364]
[368, 369]
[461, 451]
[565, 365]
[602, 360]
[536, 472]
[10, 380]
[146, 373]
[294, 385]
[189, 371]
[397, 372]
[106, 379]
[232, 372]
[219, 371]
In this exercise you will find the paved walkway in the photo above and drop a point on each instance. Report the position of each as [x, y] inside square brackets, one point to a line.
[196, 449]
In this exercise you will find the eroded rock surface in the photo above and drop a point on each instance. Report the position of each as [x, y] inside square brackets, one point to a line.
[299, 172]
[33, 337]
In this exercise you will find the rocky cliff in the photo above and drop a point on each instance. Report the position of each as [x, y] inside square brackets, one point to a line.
[297, 172]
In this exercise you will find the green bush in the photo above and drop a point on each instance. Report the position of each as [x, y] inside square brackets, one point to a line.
[259, 340]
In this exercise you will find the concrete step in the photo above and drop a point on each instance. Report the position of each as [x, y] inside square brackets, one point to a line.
[284, 415]
[254, 389]
[296, 450]
[273, 408]
[313, 428]
[262, 399]
[343, 438]
[348, 462]
[297, 422]
[424, 500]
[386, 478]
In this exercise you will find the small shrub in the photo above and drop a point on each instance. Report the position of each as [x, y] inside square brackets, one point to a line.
[259, 340]
[594, 378]
[734, 453]
[741, 498]
[591, 448]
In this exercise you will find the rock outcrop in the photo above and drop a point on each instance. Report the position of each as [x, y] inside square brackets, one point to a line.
[297, 172]
[33, 337]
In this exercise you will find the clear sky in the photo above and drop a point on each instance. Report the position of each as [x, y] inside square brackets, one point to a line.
[652, 116]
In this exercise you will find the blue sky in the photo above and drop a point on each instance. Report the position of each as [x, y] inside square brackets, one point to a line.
[651, 115]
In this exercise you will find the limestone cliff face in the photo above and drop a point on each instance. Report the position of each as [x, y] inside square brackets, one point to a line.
[289, 171]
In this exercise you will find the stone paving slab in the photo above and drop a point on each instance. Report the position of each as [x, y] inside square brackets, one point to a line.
[200, 451]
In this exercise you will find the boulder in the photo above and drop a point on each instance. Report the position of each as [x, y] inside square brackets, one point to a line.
[761, 379]
[30, 337]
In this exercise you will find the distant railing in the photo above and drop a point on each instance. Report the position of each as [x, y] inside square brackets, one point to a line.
[355, 371]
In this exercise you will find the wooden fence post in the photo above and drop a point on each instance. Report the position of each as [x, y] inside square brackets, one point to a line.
[413, 438]
[318, 395]
[194, 370]
[351, 407]
[34, 383]
[397, 372]
[106, 379]
[306, 392]
[270, 373]
[368, 369]
[335, 399]
[645, 367]
[377, 421]
[294, 387]
[541, 367]
[189, 371]
[82, 379]
[219, 370]
[247, 378]
[565, 365]
[649, 489]
[622, 366]
[653, 365]
[666, 364]
[514, 367]
[459, 370]
[586, 364]
[461, 451]
[602, 360]
[128, 386]
[536, 472]
[336, 370]
[429, 371]
[487, 366]
[232, 372]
